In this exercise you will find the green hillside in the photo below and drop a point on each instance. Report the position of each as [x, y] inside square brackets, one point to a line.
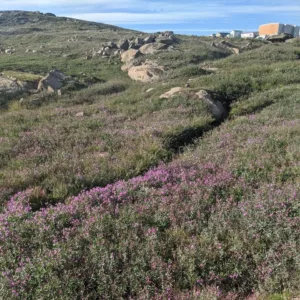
[109, 190]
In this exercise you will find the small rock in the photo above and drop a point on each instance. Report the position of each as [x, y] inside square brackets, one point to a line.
[80, 114]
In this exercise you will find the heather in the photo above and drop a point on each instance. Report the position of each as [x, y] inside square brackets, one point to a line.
[110, 192]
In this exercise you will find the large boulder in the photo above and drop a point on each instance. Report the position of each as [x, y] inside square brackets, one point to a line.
[139, 41]
[145, 73]
[153, 48]
[166, 41]
[53, 82]
[172, 92]
[166, 34]
[130, 64]
[123, 45]
[149, 39]
[130, 55]
[215, 106]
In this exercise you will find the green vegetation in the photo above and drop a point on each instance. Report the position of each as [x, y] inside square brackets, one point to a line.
[110, 192]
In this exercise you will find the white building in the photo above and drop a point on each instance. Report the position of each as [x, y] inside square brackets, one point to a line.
[249, 35]
[236, 33]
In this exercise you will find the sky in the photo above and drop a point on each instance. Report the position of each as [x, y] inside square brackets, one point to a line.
[197, 17]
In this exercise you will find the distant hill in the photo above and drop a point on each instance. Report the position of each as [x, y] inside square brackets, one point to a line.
[16, 18]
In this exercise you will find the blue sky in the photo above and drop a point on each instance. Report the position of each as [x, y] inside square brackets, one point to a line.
[201, 17]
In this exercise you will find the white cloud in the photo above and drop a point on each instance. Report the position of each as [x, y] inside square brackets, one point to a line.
[121, 12]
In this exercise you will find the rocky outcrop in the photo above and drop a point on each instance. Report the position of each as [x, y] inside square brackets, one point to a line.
[130, 64]
[228, 46]
[149, 39]
[163, 41]
[152, 48]
[129, 55]
[123, 45]
[166, 41]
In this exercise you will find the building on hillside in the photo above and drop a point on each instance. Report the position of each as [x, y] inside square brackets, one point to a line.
[222, 34]
[289, 29]
[278, 28]
[271, 29]
[249, 35]
[297, 32]
[236, 33]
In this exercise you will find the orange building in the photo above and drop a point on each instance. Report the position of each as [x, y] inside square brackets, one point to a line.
[271, 29]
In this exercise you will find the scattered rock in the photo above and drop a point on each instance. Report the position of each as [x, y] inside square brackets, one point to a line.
[152, 48]
[130, 55]
[145, 73]
[172, 92]
[9, 51]
[216, 107]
